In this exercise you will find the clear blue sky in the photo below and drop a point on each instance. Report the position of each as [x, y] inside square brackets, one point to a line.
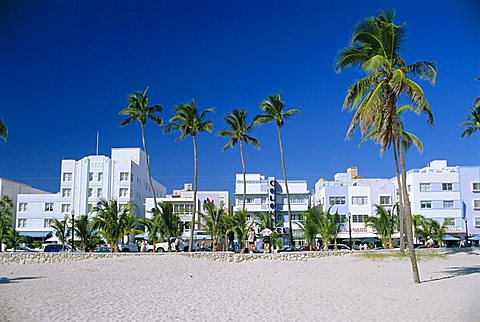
[66, 68]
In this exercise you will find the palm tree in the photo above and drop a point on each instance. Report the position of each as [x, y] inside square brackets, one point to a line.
[375, 46]
[153, 225]
[240, 225]
[61, 230]
[274, 109]
[238, 133]
[3, 130]
[422, 227]
[138, 110]
[213, 222]
[168, 222]
[310, 226]
[13, 238]
[473, 120]
[6, 208]
[439, 230]
[384, 224]
[85, 232]
[188, 120]
[111, 221]
[266, 220]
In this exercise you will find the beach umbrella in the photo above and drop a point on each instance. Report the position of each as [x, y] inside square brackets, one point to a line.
[450, 238]
[369, 240]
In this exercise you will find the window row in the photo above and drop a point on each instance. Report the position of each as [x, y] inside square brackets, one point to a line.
[446, 186]
[99, 176]
[98, 194]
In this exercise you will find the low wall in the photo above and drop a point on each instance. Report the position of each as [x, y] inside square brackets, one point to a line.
[40, 258]
[237, 258]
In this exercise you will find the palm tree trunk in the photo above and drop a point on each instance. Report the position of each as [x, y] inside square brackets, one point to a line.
[148, 166]
[194, 209]
[244, 176]
[408, 217]
[286, 185]
[401, 205]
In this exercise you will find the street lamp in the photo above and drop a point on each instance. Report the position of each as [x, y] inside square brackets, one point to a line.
[466, 231]
[350, 230]
[73, 227]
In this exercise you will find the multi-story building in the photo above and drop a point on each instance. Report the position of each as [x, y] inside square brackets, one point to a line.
[12, 189]
[439, 191]
[82, 184]
[355, 198]
[268, 194]
[182, 203]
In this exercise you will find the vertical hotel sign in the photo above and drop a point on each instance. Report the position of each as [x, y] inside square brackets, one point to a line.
[271, 196]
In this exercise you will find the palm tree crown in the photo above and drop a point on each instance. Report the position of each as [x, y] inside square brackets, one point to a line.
[473, 120]
[274, 109]
[138, 110]
[3, 130]
[188, 120]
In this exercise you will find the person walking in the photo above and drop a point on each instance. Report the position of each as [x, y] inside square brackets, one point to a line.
[143, 246]
[266, 239]
[250, 239]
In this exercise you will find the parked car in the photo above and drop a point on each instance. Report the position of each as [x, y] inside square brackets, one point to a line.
[56, 248]
[130, 247]
[163, 246]
[20, 249]
[102, 249]
[340, 247]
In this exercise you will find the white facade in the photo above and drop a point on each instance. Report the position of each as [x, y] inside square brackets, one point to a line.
[182, 202]
[267, 194]
[83, 183]
[12, 189]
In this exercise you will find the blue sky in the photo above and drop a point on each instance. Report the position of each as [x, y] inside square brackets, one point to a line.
[67, 68]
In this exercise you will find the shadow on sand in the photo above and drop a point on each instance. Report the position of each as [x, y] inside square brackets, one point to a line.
[455, 272]
[6, 280]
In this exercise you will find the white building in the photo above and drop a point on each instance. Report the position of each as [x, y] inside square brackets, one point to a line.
[182, 202]
[82, 184]
[12, 189]
[267, 194]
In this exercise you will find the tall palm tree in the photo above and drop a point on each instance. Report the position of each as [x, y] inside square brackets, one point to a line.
[240, 225]
[213, 222]
[6, 208]
[138, 110]
[374, 47]
[238, 133]
[274, 109]
[310, 225]
[384, 224]
[407, 139]
[168, 222]
[473, 120]
[439, 230]
[61, 230]
[3, 130]
[85, 232]
[188, 120]
[111, 221]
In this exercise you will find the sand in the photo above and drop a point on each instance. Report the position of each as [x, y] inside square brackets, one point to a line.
[177, 288]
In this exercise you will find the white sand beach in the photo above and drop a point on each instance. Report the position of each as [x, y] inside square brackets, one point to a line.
[178, 288]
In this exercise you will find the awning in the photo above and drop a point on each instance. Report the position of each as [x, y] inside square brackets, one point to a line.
[474, 237]
[450, 238]
[369, 240]
[34, 234]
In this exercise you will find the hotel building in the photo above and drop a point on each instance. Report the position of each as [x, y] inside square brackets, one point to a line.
[82, 184]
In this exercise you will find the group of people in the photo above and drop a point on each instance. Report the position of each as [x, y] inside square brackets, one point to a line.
[251, 238]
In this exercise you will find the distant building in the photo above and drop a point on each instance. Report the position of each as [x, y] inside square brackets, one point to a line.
[82, 184]
[12, 189]
[182, 203]
[268, 195]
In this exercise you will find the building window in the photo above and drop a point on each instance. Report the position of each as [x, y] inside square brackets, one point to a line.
[297, 217]
[123, 192]
[476, 204]
[475, 186]
[100, 176]
[340, 200]
[250, 200]
[425, 187]
[425, 204]
[385, 200]
[66, 192]
[22, 206]
[297, 200]
[123, 176]
[359, 200]
[49, 206]
[359, 218]
[121, 207]
[447, 186]
[47, 222]
[67, 176]
[65, 207]
[99, 192]
[452, 222]
[22, 223]
[448, 204]
[477, 222]
[409, 188]
[90, 192]
[90, 176]
[90, 207]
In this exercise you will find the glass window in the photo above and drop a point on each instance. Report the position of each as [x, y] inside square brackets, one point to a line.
[249, 200]
[359, 218]
[123, 176]
[90, 207]
[99, 192]
[47, 222]
[67, 176]
[425, 187]
[448, 204]
[477, 222]
[359, 200]
[66, 192]
[49, 206]
[385, 200]
[123, 192]
[337, 200]
[447, 186]
[100, 176]
[22, 206]
[425, 204]
[65, 207]
[476, 204]
[22, 223]
[476, 186]
[452, 223]
[90, 176]
[90, 192]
